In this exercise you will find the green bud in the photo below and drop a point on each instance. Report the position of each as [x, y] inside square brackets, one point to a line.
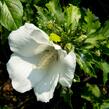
[68, 47]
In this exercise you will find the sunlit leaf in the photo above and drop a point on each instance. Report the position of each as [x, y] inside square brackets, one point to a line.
[55, 9]
[72, 16]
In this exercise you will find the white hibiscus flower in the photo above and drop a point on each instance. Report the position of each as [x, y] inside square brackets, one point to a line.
[38, 63]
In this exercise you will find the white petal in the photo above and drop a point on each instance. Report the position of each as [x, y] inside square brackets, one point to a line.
[28, 40]
[57, 47]
[45, 88]
[18, 70]
[24, 72]
[67, 68]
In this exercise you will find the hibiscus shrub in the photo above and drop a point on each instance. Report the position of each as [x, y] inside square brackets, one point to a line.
[69, 31]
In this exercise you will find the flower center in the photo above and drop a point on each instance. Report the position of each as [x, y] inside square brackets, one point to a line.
[49, 57]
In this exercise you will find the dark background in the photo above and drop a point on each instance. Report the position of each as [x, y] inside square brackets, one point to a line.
[99, 7]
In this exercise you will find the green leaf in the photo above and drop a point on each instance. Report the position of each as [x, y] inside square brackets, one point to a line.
[41, 12]
[105, 68]
[55, 10]
[68, 47]
[99, 39]
[58, 19]
[12, 12]
[67, 94]
[91, 23]
[105, 29]
[91, 92]
[49, 16]
[86, 65]
[94, 39]
[28, 15]
[105, 105]
[105, 50]
[72, 16]
[96, 105]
